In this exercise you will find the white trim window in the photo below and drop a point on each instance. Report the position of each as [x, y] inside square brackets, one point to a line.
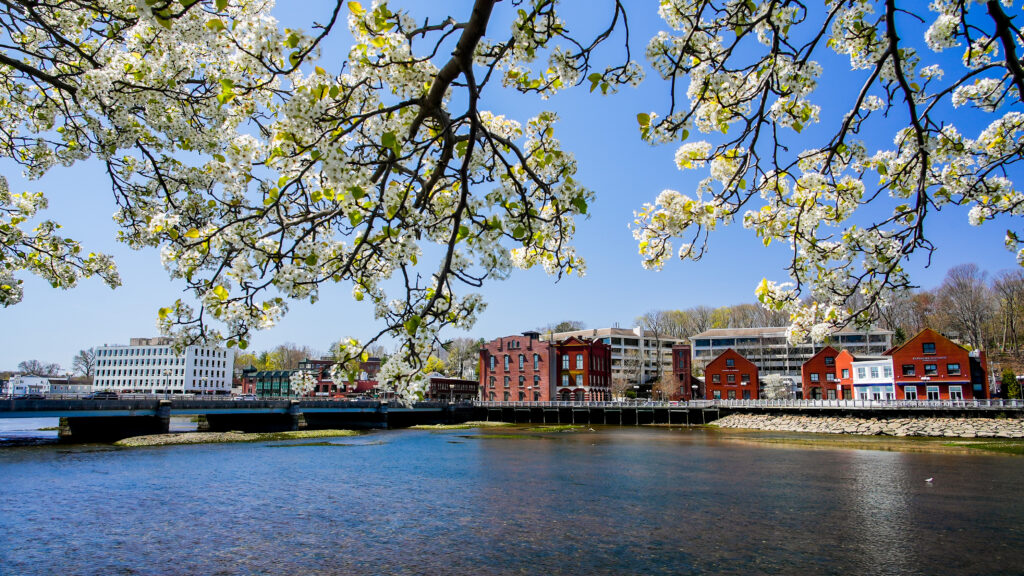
[956, 393]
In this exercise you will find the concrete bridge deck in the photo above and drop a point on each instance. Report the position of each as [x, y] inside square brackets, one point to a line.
[111, 419]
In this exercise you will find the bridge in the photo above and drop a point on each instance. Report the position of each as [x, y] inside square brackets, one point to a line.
[634, 413]
[93, 419]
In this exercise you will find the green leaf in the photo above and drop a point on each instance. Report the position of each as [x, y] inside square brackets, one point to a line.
[644, 119]
[193, 233]
[243, 344]
[292, 41]
[356, 8]
[412, 325]
[463, 232]
[311, 260]
[389, 140]
[163, 312]
[222, 5]
[221, 292]
[215, 25]
[580, 203]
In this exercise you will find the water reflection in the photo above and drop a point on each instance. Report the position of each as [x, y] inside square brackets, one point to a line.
[612, 501]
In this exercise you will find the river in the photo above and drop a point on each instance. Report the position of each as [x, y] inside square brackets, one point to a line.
[503, 501]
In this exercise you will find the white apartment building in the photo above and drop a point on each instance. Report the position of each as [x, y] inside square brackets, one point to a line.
[21, 384]
[636, 354]
[873, 379]
[769, 349]
[150, 366]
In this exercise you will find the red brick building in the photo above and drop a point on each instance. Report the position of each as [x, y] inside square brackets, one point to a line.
[325, 386]
[930, 366]
[526, 369]
[518, 368]
[818, 375]
[689, 388]
[584, 370]
[731, 376]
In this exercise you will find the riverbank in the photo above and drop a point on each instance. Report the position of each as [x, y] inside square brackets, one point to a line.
[227, 437]
[899, 427]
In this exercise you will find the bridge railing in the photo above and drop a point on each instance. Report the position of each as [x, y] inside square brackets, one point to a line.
[1013, 404]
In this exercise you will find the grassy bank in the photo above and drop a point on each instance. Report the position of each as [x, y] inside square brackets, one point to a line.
[226, 437]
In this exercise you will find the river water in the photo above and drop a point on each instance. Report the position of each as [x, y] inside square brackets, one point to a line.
[481, 502]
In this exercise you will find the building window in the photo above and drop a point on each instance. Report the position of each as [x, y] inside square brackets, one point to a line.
[932, 392]
[830, 361]
[887, 371]
[732, 395]
[730, 362]
[536, 361]
[861, 373]
[745, 378]
[830, 376]
[928, 348]
[908, 369]
[565, 361]
[953, 370]
[846, 372]
[579, 379]
[730, 378]
[956, 393]
[931, 369]
[506, 362]
[522, 381]
[814, 376]
[717, 394]
[910, 392]
[507, 381]
[522, 361]
[716, 378]
[579, 361]
[565, 379]
[874, 371]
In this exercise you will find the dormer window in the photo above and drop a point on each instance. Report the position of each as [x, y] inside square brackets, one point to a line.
[928, 348]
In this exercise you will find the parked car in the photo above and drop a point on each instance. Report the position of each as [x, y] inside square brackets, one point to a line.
[104, 395]
[246, 397]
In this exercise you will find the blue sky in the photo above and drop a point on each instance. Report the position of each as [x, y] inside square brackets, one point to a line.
[625, 173]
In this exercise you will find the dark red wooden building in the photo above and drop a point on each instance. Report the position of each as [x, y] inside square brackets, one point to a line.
[731, 376]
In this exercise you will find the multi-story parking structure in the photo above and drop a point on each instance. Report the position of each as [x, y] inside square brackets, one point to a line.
[150, 366]
[639, 357]
[769, 349]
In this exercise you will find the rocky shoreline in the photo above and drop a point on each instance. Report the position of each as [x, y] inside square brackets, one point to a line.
[925, 427]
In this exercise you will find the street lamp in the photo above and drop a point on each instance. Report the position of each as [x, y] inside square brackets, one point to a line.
[693, 396]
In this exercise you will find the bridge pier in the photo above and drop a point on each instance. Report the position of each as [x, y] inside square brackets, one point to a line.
[114, 428]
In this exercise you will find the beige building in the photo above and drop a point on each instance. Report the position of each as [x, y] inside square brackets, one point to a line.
[769, 349]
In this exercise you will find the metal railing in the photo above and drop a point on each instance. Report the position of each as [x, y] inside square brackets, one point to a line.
[1013, 404]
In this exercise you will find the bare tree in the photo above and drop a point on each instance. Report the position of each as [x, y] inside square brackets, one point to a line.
[37, 368]
[84, 362]
[1009, 285]
[463, 357]
[966, 303]
[700, 318]
[629, 375]
[667, 387]
[563, 326]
